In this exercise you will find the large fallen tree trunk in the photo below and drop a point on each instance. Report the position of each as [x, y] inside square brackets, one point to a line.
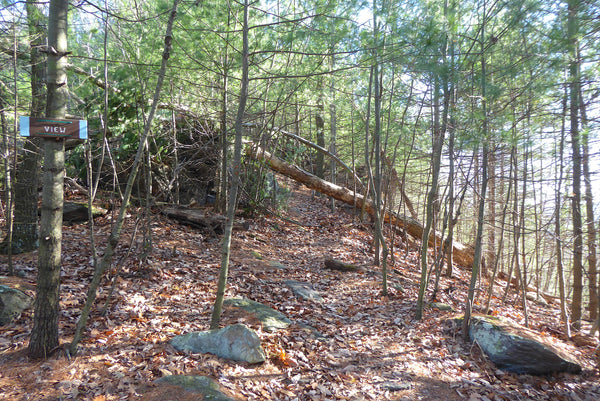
[197, 218]
[462, 255]
[318, 148]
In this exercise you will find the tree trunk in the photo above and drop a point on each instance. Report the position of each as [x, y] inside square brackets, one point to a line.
[491, 215]
[482, 194]
[432, 198]
[332, 128]
[381, 250]
[115, 234]
[564, 316]
[523, 271]
[44, 335]
[319, 149]
[320, 127]
[589, 216]
[496, 258]
[223, 181]
[572, 32]
[235, 179]
[25, 219]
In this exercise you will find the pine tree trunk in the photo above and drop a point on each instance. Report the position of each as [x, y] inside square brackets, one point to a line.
[25, 219]
[572, 27]
[432, 198]
[589, 216]
[482, 195]
[44, 335]
[235, 180]
[557, 226]
[320, 127]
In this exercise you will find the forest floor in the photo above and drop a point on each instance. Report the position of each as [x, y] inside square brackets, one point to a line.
[371, 347]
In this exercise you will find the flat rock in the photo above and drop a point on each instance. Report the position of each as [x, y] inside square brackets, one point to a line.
[205, 386]
[518, 349]
[12, 303]
[236, 342]
[304, 291]
[270, 318]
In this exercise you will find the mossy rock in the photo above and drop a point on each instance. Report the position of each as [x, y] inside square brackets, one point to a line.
[518, 349]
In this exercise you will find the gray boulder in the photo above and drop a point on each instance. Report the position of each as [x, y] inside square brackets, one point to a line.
[518, 349]
[270, 318]
[236, 342]
[304, 291]
[12, 304]
[203, 385]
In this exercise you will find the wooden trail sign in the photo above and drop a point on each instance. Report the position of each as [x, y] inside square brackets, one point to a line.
[53, 128]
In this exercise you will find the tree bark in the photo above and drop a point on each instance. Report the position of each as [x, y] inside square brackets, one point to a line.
[564, 316]
[325, 152]
[115, 234]
[235, 179]
[44, 335]
[572, 32]
[432, 197]
[320, 128]
[24, 233]
[484, 182]
[589, 215]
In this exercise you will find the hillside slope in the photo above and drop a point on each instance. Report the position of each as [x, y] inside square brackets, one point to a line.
[356, 345]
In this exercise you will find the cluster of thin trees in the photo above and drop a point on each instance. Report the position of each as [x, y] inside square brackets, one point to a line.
[483, 113]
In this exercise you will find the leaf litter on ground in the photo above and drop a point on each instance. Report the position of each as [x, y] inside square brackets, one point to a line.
[355, 345]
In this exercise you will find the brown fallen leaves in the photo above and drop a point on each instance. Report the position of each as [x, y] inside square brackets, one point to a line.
[357, 345]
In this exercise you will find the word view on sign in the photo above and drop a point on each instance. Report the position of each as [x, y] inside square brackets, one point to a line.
[53, 128]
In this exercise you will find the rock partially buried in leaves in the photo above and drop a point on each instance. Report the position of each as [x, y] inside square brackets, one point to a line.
[203, 385]
[304, 291]
[236, 342]
[270, 318]
[518, 349]
[12, 304]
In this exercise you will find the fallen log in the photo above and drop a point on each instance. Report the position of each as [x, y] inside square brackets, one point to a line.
[462, 255]
[333, 264]
[197, 218]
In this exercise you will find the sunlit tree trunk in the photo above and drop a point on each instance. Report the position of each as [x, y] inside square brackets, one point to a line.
[574, 67]
[484, 182]
[521, 227]
[589, 215]
[332, 126]
[235, 179]
[320, 127]
[557, 224]
[44, 335]
[491, 216]
[496, 259]
[115, 235]
[221, 201]
[432, 197]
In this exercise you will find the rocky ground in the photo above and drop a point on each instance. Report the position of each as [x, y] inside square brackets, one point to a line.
[355, 345]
